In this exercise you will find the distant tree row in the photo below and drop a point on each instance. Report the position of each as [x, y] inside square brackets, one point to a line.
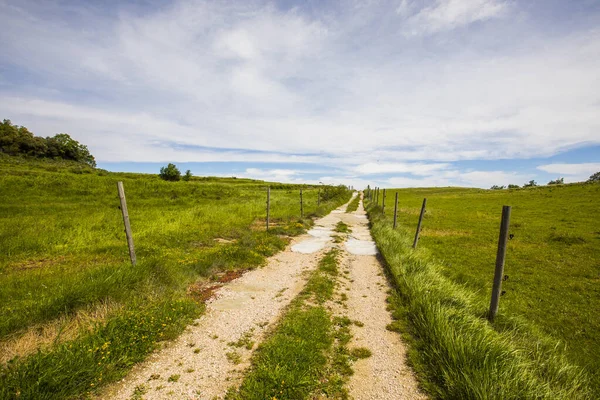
[18, 140]
[594, 178]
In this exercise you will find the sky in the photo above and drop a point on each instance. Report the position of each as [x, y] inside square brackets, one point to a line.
[401, 93]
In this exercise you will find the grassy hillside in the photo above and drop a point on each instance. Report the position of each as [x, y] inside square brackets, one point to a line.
[552, 263]
[66, 284]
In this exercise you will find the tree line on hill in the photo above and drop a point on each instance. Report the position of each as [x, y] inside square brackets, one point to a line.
[19, 141]
[560, 181]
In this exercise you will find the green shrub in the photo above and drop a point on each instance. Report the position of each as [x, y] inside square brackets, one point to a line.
[170, 173]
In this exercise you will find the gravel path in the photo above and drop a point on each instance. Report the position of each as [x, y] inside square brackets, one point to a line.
[202, 363]
[385, 374]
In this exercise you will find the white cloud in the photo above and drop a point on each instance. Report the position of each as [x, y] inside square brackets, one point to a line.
[450, 14]
[270, 172]
[480, 179]
[340, 88]
[571, 172]
[571, 169]
[413, 168]
[274, 175]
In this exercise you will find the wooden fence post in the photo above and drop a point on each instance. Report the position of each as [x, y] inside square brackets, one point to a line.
[126, 222]
[419, 224]
[301, 206]
[396, 210]
[383, 203]
[268, 204]
[500, 256]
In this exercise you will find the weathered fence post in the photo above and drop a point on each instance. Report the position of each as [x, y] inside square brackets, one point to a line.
[126, 222]
[301, 206]
[419, 224]
[268, 204]
[500, 255]
[383, 203]
[396, 210]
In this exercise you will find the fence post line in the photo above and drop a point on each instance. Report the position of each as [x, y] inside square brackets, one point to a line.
[383, 203]
[419, 224]
[396, 210]
[268, 204]
[301, 206]
[500, 256]
[126, 223]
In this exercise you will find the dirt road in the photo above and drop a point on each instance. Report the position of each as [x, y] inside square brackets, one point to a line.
[213, 353]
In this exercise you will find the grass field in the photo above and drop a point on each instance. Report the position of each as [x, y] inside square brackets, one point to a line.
[552, 290]
[66, 283]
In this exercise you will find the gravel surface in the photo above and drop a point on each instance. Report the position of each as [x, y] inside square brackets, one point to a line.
[385, 374]
[202, 363]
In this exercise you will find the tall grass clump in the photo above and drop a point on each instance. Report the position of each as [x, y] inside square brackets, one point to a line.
[456, 352]
[353, 205]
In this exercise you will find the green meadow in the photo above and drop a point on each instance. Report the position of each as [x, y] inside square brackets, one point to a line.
[552, 273]
[74, 313]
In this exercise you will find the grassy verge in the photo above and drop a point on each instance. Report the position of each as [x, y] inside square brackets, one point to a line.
[78, 367]
[457, 354]
[353, 205]
[305, 356]
[551, 262]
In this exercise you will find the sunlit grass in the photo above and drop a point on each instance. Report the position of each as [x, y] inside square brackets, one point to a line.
[353, 205]
[304, 357]
[550, 290]
[63, 249]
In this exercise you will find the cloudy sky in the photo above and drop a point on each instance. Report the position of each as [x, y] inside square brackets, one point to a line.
[388, 93]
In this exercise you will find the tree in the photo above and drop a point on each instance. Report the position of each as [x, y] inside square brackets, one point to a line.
[496, 187]
[531, 183]
[170, 173]
[17, 140]
[594, 178]
[63, 146]
[511, 186]
[187, 176]
[559, 181]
